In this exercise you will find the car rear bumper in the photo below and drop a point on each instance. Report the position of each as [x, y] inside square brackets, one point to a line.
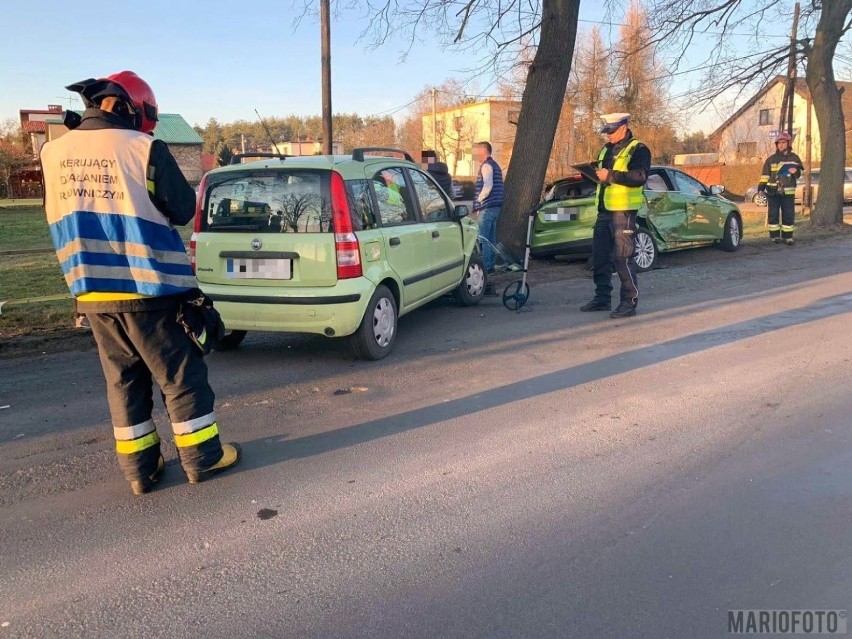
[332, 311]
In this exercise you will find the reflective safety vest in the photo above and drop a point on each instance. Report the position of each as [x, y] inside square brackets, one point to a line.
[616, 196]
[108, 235]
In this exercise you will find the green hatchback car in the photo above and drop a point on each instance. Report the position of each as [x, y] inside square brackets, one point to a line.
[679, 212]
[340, 246]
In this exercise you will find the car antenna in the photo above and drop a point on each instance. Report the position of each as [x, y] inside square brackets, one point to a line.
[271, 139]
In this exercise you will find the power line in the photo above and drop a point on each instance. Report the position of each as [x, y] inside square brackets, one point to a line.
[616, 86]
[714, 33]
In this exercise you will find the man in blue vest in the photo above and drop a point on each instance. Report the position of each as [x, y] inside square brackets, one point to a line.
[487, 200]
[623, 166]
[112, 196]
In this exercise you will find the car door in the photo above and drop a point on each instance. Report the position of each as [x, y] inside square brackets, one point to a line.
[703, 214]
[666, 208]
[445, 244]
[404, 235]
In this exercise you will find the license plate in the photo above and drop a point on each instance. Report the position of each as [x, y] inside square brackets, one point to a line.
[563, 214]
[259, 269]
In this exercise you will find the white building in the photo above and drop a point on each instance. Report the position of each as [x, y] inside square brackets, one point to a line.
[748, 136]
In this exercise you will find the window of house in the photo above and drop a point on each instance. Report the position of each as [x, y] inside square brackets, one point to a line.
[514, 114]
[765, 117]
[393, 197]
[458, 122]
[747, 149]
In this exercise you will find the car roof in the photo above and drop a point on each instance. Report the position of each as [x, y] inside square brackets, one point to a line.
[344, 164]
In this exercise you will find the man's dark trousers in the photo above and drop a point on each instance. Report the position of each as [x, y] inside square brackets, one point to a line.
[612, 248]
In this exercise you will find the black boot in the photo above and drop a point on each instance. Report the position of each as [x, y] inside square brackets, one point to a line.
[146, 484]
[622, 311]
[595, 305]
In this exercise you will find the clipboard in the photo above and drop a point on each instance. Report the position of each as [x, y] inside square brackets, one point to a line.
[588, 170]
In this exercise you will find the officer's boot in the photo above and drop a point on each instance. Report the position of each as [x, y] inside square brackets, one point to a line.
[623, 310]
[596, 304]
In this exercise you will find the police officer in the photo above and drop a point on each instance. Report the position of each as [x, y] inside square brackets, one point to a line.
[623, 166]
[112, 196]
[778, 181]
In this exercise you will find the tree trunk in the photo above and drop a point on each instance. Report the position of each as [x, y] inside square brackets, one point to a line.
[829, 112]
[541, 105]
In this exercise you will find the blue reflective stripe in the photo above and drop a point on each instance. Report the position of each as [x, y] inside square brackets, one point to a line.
[106, 259]
[151, 289]
[114, 228]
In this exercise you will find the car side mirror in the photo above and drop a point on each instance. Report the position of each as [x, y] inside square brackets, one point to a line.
[717, 189]
[461, 211]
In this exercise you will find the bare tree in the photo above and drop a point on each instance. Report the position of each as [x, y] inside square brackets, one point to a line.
[496, 31]
[641, 85]
[589, 90]
[680, 23]
[13, 157]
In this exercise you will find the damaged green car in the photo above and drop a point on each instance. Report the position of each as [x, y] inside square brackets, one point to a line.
[679, 212]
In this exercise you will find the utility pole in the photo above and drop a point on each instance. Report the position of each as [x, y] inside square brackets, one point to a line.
[434, 123]
[808, 198]
[790, 88]
[325, 32]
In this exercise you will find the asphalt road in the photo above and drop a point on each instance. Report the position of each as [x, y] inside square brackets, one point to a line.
[537, 474]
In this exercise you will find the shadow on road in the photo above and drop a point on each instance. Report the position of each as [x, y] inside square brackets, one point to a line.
[269, 450]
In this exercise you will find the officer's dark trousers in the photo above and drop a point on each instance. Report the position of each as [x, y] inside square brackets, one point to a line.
[612, 249]
[137, 349]
[783, 207]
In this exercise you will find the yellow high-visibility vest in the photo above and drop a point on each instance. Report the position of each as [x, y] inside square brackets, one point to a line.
[616, 196]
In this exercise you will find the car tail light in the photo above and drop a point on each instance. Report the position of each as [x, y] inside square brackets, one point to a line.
[196, 227]
[345, 242]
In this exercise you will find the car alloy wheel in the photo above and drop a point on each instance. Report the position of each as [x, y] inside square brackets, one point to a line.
[759, 199]
[645, 251]
[734, 230]
[384, 322]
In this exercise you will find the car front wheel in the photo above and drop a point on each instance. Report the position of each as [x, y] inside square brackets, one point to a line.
[732, 235]
[376, 335]
[472, 287]
[645, 251]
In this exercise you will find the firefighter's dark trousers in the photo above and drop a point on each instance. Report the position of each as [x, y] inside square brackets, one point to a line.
[781, 216]
[137, 349]
[612, 248]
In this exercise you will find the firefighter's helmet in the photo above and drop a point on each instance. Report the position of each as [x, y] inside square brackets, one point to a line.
[783, 135]
[128, 86]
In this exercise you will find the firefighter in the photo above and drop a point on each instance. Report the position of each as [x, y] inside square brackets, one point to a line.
[623, 166]
[112, 196]
[778, 181]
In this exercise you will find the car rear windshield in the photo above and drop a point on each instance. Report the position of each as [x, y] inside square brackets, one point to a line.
[278, 201]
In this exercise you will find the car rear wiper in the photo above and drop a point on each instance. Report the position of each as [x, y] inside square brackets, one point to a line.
[235, 227]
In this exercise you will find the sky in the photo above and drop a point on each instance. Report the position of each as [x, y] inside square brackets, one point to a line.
[226, 59]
